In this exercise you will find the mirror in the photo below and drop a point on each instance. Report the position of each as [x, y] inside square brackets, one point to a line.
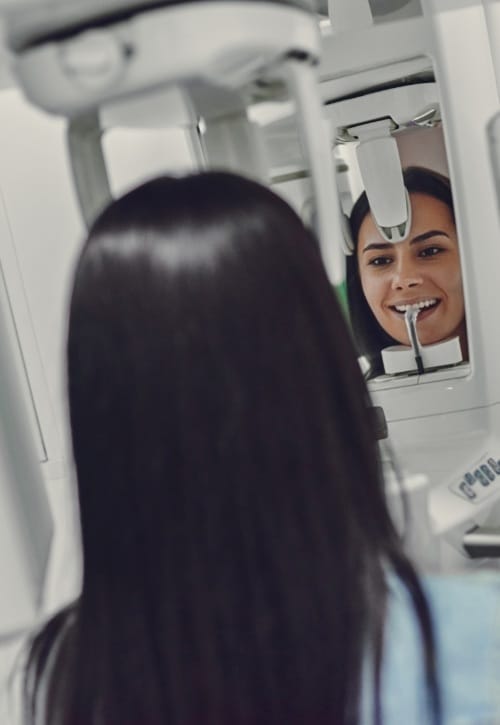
[403, 274]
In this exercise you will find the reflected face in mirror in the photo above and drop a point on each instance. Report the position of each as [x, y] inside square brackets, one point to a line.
[424, 269]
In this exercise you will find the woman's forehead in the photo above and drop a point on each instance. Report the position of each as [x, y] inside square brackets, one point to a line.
[428, 213]
[427, 203]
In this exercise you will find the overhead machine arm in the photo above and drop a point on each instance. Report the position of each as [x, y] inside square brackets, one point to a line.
[219, 57]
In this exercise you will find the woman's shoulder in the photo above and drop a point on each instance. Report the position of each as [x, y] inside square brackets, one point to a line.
[465, 610]
[453, 597]
[474, 584]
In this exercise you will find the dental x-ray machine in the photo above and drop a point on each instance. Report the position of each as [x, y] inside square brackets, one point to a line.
[384, 80]
[390, 71]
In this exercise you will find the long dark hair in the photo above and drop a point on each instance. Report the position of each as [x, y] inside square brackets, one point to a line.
[369, 336]
[235, 534]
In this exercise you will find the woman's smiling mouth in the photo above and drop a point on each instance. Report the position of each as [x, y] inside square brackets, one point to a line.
[425, 306]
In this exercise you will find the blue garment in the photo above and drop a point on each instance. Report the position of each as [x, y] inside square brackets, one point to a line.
[466, 615]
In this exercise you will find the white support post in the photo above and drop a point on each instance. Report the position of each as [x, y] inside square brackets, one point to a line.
[25, 518]
[469, 99]
[233, 142]
[314, 131]
[492, 14]
[350, 15]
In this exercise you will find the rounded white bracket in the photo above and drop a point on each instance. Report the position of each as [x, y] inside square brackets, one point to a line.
[95, 60]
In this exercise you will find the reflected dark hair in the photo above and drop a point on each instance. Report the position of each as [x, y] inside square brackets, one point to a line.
[369, 336]
[236, 539]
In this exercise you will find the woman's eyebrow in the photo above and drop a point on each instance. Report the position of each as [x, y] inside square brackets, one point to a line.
[377, 245]
[428, 235]
[419, 238]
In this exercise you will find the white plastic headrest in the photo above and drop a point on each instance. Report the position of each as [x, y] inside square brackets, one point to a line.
[380, 167]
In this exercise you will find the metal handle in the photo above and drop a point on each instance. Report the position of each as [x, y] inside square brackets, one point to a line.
[482, 541]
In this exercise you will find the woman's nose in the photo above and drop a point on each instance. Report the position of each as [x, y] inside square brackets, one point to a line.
[406, 276]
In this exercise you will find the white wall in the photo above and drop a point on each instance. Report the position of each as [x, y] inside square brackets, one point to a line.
[40, 237]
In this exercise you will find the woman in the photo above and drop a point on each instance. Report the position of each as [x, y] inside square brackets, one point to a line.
[240, 565]
[424, 269]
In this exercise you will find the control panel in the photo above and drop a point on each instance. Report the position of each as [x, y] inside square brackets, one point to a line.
[480, 481]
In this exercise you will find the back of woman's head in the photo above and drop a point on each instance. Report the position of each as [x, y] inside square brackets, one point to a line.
[233, 521]
[207, 353]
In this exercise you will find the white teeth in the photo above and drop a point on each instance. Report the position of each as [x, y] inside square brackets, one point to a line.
[420, 305]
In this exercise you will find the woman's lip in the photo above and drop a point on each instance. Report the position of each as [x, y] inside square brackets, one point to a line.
[423, 313]
[426, 312]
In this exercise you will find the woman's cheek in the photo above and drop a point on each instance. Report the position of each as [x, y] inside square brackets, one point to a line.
[372, 289]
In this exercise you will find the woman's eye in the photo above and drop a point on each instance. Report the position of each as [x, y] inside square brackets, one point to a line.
[430, 251]
[380, 261]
